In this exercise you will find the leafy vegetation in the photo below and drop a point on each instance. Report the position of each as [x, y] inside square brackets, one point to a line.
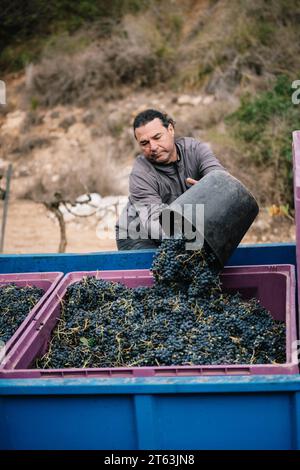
[263, 125]
[25, 26]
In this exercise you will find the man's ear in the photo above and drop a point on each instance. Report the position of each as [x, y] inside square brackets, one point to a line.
[171, 129]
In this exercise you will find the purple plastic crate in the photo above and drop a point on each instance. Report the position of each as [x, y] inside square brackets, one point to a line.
[273, 285]
[296, 164]
[46, 281]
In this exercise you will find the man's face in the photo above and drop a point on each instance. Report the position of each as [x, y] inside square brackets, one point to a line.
[157, 142]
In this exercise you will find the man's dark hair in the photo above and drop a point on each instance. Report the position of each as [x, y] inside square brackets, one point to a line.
[148, 115]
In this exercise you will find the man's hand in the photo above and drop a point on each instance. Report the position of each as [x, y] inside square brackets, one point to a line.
[191, 181]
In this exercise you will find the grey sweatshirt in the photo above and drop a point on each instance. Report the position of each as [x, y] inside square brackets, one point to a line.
[152, 186]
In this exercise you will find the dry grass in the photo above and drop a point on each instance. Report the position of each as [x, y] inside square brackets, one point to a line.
[237, 42]
[204, 117]
[95, 171]
[28, 143]
[135, 55]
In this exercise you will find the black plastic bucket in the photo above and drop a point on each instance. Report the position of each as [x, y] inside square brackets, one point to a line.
[229, 210]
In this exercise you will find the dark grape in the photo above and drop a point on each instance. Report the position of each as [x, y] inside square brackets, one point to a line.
[15, 304]
[183, 319]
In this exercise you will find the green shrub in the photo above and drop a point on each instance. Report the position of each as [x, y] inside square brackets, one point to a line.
[263, 126]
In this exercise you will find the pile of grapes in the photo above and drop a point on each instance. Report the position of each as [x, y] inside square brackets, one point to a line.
[184, 319]
[15, 304]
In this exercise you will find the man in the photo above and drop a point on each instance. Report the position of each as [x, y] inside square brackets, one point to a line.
[166, 168]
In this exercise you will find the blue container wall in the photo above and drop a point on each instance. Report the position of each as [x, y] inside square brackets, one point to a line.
[190, 413]
[284, 253]
[253, 412]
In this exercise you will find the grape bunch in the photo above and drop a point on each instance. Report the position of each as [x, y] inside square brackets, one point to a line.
[185, 318]
[15, 304]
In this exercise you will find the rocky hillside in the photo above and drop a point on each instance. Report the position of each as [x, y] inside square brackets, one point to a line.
[222, 69]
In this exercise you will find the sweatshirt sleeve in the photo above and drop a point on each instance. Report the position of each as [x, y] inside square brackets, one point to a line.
[145, 198]
[206, 159]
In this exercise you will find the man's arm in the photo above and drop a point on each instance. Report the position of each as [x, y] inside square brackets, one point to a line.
[144, 195]
[206, 161]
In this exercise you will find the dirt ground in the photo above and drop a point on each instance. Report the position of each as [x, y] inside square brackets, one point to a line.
[31, 228]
